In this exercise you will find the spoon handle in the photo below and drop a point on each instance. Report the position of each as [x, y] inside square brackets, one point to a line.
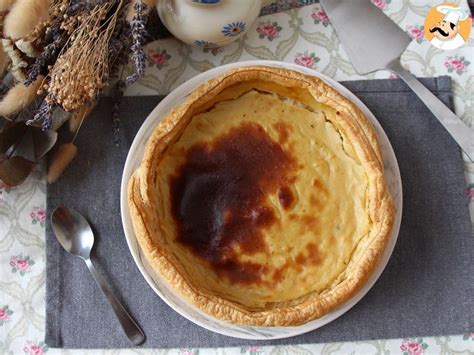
[131, 329]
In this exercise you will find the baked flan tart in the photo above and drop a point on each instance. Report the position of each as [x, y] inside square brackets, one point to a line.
[261, 198]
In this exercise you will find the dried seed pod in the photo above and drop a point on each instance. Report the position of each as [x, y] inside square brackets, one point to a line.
[24, 16]
[61, 159]
[6, 5]
[19, 97]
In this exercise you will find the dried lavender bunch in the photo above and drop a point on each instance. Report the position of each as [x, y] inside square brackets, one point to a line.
[76, 6]
[138, 30]
[47, 55]
[42, 117]
[118, 48]
[119, 60]
[119, 43]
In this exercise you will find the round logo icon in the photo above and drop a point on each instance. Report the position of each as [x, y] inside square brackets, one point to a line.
[447, 26]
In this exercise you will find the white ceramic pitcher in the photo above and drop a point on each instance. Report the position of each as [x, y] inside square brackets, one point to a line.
[209, 23]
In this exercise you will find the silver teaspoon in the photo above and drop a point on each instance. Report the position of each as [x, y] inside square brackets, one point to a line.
[75, 235]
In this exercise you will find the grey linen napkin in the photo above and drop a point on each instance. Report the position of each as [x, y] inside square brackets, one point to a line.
[425, 290]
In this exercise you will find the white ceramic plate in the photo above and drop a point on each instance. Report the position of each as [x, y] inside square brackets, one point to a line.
[168, 294]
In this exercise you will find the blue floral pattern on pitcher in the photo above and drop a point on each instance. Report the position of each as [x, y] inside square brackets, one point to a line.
[233, 29]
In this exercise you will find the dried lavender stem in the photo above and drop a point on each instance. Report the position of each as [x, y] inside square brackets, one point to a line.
[138, 29]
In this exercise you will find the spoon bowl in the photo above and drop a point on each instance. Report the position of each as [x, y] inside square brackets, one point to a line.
[72, 231]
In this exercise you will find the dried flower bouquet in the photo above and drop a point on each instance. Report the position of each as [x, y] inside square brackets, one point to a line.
[56, 57]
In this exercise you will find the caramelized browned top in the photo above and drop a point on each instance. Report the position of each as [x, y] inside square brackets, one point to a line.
[219, 198]
[256, 198]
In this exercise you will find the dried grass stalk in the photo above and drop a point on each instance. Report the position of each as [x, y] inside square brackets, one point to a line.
[19, 97]
[78, 116]
[131, 9]
[24, 16]
[61, 159]
[81, 68]
[6, 5]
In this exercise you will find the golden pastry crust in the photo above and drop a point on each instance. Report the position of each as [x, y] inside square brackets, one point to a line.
[144, 196]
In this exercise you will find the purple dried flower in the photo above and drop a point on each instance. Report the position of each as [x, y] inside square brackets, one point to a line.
[35, 70]
[49, 51]
[138, 29]
[89, 4]
[42, 117]
[118, 56]
[131, 79]
[75, 7]
[119, 43]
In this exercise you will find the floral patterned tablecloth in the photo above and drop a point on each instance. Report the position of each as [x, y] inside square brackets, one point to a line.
[303, 36]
